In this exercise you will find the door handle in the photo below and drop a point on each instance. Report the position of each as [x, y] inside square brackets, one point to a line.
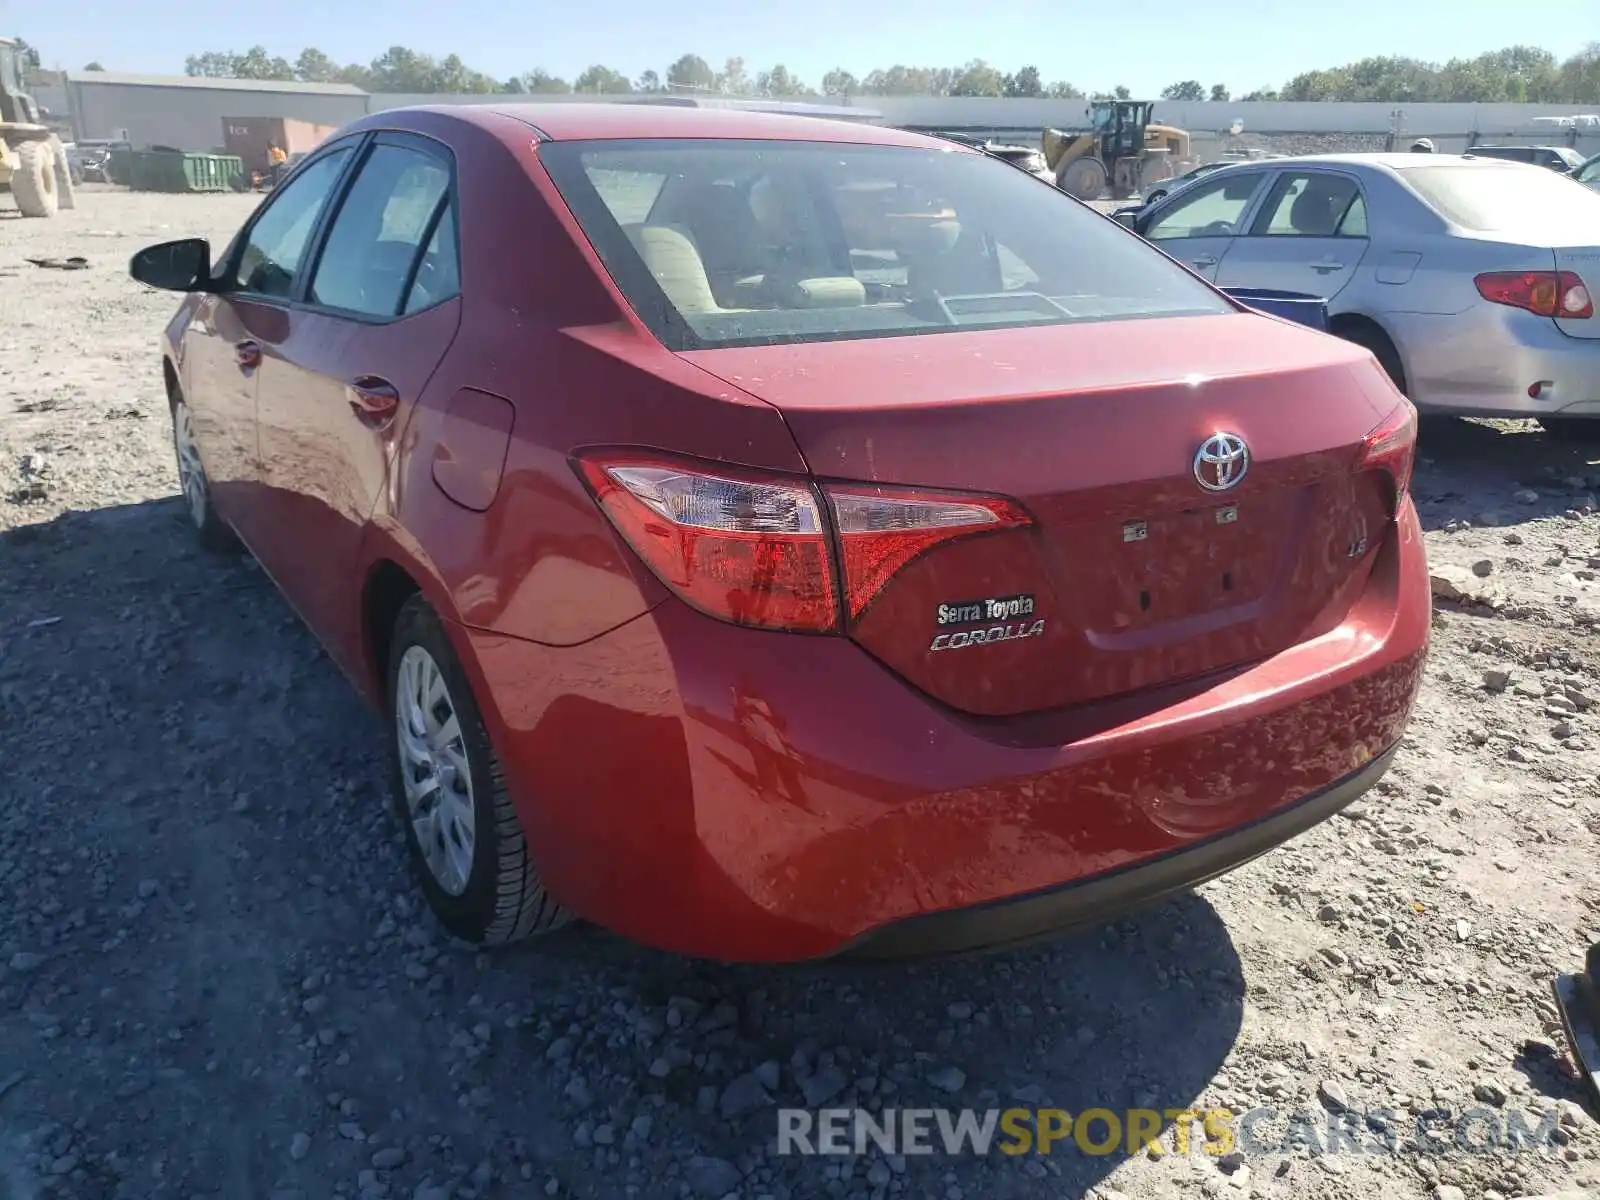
[373, 400]
[1204, 261]
[247, 354]
[1327, 265]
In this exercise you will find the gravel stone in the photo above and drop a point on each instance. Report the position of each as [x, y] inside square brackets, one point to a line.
[744, 1095]
[948, 1079]
[712, 1177]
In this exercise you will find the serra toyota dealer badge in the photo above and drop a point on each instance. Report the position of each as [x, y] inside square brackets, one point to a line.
[995, 619]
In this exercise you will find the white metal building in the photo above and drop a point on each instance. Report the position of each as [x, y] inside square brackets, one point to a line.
[187, 113]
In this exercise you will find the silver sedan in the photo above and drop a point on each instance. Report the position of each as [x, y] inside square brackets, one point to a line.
[1470, 280]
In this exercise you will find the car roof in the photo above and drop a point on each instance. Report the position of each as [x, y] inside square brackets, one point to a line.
[1382, 161]
[561, 122]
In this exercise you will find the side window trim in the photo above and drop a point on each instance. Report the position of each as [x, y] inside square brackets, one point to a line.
[1255, 226]
[428, 232]
[241, 239]
[404, 140]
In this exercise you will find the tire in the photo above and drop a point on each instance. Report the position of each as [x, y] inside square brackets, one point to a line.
[481, 883]
[1572, 429]
[33, 183]
[1084, 178]
[215, 534]
[65, 197]
[1155, 196]
[1382, 348]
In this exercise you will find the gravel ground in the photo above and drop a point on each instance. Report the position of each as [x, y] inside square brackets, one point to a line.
[216, 980]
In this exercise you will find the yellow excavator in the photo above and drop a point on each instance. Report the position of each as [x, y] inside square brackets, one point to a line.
[1122, 149]
[33, 163]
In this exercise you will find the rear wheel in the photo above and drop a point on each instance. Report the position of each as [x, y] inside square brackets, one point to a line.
[1572, 429]
[1375, 340]
[1084, 178]
[33, 183]
[467, 846]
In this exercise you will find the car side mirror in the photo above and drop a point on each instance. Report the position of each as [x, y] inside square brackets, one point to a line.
[180, 266]
[1128, 218]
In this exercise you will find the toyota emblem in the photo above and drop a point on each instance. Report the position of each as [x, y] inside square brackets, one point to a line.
[1221, 462]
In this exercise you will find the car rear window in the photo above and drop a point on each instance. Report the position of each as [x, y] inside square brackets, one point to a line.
[1488, 198]
[738, 243]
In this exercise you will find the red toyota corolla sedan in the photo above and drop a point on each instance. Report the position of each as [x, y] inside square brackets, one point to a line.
[770, 537]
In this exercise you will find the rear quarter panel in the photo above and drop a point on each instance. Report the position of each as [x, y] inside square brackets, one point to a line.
[543, 329]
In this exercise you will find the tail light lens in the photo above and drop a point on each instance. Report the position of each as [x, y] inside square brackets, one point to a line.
[747, 550]
[755, 549]
[1545, 293]
[1392, 446]
[881, 530]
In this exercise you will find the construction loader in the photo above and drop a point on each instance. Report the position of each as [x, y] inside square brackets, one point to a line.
[33, 163]
[1122, 149]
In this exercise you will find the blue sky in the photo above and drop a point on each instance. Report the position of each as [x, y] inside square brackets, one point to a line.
[1093, 45]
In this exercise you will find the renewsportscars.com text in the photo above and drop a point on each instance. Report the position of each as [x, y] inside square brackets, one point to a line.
[1213, 1131]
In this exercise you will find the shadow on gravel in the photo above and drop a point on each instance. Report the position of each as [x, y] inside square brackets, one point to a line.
[212, 929]
[1139, 1014]
[1474, 471]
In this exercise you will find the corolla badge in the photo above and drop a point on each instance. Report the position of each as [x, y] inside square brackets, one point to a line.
[1221, 462]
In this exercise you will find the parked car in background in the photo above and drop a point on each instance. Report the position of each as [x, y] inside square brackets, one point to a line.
[1026, 158]
[1561, 159]
[1588, 173]
[773, 537]
[1469, 279]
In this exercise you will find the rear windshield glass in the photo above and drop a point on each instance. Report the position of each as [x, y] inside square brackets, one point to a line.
[1503, 197]
[730, 243]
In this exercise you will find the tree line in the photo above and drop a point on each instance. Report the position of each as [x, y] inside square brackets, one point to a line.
[1515, 74]
[400, 69]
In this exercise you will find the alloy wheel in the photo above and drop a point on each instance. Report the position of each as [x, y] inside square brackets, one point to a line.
[434, 770]
[191, 473]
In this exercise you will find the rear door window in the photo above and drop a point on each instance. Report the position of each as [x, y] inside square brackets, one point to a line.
[391, 212]
[1311, 204]
[1208, 208]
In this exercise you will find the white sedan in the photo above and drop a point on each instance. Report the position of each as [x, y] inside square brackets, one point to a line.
[1470, 280]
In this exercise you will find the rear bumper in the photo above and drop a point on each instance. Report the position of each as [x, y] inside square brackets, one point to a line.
[1017, 921]
[1482, 362]
[742, 795]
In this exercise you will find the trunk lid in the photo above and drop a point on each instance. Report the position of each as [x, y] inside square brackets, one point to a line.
[1132, 575]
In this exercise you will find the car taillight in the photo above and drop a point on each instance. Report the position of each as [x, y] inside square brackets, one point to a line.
[1546, 293]
[755, 549]
[742, 548]
[883, 529]
[1392, 446]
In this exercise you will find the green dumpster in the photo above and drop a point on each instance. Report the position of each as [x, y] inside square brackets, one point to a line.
[175, 171]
